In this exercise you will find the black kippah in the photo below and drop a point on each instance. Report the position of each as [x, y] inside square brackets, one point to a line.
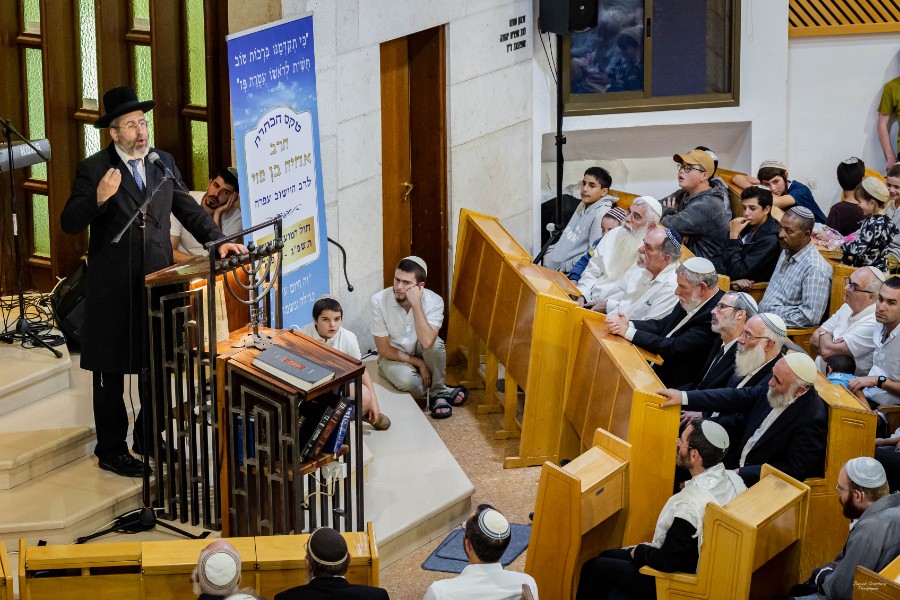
[327, 547]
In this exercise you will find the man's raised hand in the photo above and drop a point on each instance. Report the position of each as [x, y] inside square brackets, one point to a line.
[109, 185]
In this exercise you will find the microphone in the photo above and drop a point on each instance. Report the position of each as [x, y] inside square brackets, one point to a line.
[154, 158]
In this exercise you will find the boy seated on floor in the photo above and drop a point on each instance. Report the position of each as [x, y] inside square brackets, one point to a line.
[326, 329]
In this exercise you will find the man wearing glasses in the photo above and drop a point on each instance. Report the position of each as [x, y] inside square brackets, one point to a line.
[851, 330]
[701, 220]
[108, 188]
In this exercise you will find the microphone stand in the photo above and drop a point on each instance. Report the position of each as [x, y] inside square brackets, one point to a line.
[22, 328]
[143, 519]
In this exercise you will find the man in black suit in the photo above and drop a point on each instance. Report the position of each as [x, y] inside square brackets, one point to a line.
[785, 423]
[108, 187]
[327, 560]
[729, 316]
[685, 333]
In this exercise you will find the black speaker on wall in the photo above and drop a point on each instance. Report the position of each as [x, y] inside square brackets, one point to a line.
[564, 17]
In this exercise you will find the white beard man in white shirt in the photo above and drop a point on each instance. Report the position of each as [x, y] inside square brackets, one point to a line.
[617, 251]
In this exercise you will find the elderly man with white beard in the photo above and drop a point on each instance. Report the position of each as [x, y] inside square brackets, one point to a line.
[786, 424]
[759, 346]
[647, 290]
[685, 333]
[618, 250]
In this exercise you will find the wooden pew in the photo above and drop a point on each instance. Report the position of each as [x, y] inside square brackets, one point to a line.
[521, 314]
[167, 566]
[751, 546]
[611, 494]
[851, 433]
[869, 585]
[581, 510]
[734, 192]
[611, 387]
[281, 561]
[82, 572]
[6, 582]
[624, 199]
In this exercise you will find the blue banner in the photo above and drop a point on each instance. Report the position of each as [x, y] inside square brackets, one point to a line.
[274, 109]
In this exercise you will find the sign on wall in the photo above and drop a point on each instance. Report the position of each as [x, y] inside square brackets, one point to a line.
[276, 135]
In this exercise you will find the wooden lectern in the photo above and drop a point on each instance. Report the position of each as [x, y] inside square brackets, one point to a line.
[271, 491]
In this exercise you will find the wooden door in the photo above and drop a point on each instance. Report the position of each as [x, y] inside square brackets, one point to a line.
[414, 155]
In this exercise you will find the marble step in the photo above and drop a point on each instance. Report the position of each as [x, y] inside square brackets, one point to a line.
[29, 375]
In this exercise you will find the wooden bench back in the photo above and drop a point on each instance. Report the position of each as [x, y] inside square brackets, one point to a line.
[6, 582]
[579, 509]
[869, 585]
[162, 570]
[851, 433]
[751, 546]
[81, 572]
[521, 313]
[624, 199]
[734, 192]
[611, 387]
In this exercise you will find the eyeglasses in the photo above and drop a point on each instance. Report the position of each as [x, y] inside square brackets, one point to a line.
[854, 287]
[634, 216]
[679, 443]
[132, 125]
[722, 306]
[684, 167]
[746, 335]
[839, 489]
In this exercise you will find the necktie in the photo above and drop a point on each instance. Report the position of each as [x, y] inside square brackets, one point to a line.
[137, 174]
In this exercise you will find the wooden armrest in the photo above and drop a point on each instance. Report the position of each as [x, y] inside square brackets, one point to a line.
[649, 356]
[793, 331]
[759, 285]
[679, 577]
[889, 409]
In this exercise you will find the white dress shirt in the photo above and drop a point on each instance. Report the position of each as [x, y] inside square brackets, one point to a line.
[642, 297]
[389, 319]
[343, 341]
[485, 582]
[858, 331]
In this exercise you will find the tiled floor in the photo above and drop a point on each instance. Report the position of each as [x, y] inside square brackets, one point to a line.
[470, 437]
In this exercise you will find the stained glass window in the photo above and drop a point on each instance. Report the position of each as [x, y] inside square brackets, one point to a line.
[32, 14]
[88, 40]
[196, 54]
[40, 206]
[34, 83]
[199, 155]
[140, 14]
[144, 83]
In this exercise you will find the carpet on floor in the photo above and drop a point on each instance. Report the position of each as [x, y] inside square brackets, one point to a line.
[450, 556]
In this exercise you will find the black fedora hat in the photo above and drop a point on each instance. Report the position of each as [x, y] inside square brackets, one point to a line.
[120, 101]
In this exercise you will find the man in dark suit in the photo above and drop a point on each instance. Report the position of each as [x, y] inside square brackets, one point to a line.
[729, 316]
[785, 423]
[108, 187]
[327, 560]
[685, 333]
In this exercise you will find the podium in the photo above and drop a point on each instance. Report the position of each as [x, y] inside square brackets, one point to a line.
[271, 490]
[185, 329]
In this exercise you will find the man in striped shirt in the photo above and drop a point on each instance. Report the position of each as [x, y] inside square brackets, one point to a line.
[799, 289]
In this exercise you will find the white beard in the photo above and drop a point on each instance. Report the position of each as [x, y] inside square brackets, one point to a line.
[695, 301]
[623, 254]
[777, 400]
[747, 361]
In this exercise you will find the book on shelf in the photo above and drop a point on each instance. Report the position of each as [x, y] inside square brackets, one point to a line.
[292, 368]
[333, 422]
[306, 452]
[308, 420]
[337, 437]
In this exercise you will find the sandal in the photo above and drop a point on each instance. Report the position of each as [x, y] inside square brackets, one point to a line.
[440, 408]
[451, 395]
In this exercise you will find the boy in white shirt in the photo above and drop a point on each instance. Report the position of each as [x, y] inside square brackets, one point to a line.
[326, 329]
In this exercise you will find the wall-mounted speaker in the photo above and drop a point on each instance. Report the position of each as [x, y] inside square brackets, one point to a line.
[567, 16]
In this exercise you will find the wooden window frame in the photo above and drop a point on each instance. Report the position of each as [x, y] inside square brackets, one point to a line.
[632, 102]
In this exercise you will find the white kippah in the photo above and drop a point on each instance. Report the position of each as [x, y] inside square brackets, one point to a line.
[802, 366]
[419, 262]
[802, 211]
[701, 266]
[774, 164]
[748, 300]
[878, 273]
[715, 434]
[651, 202]
[850, 161]
[866, 472]
[218, 570]
[774, 323]
[493, 524]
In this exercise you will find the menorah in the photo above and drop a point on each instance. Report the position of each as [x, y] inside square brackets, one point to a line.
[188, 339]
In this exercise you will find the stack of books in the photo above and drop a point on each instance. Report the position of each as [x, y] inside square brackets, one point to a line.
[322, 426]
